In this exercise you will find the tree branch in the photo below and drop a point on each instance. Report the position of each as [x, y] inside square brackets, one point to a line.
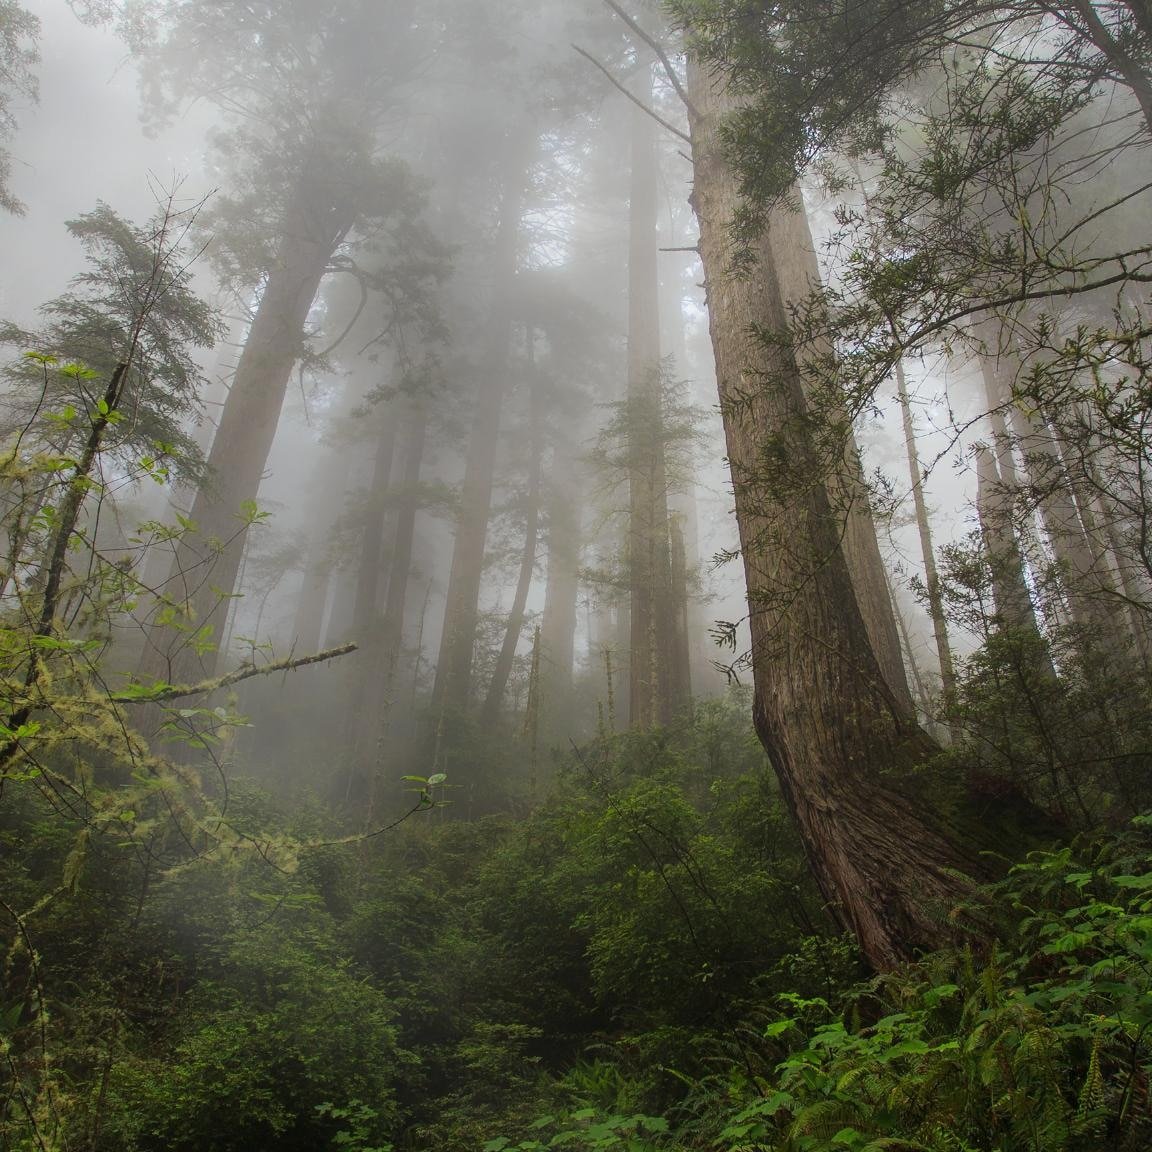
[244, 672]
[656, 47]
[639, 103]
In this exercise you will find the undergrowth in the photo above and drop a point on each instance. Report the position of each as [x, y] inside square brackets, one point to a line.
[1037, 1043]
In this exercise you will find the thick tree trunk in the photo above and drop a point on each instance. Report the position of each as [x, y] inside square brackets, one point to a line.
[836, 732]
[453, 686]
[789, 247]
[365, 668]
[207, 561]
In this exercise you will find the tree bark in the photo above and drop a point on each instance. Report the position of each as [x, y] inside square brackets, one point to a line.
[207, 561]
[515, 625]
[927, 552]
[558, 628]
[652, 694]
[453, 685]
[788, 245]
[836, 732]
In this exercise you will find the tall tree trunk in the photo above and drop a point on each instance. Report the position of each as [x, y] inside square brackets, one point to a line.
[392, 630]
[453, 686]
[558, 628]
[836, 732]
[387, 642]
[790, 248]
[206, 564]
[681, 662]
[366, 667]
[327, 491]
[1009, 584]
[515, 626]
[927, 552]
[372, 563]
[650, 577]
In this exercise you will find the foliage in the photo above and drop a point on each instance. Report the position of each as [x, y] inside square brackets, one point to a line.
[1040, 1042]
[18, 33]
[97, 322]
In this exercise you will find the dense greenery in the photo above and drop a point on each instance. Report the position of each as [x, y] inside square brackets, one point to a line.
[228, 922]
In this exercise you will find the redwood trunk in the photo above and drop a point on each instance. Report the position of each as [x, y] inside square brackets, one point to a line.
[927, 552]
[836, 732]
[651, 692]
[207, 561]
[515, 625]
[788, 246]
[453, 687]
[558, 629]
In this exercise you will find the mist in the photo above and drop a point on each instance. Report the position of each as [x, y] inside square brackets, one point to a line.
[537, 532]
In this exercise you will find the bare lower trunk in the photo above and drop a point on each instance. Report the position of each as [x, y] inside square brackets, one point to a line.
[558, 629]
[788, 245]
[651, 699]
[515, 626]
[453, 687]
[927, 552]
[207, 561]
[836, 732]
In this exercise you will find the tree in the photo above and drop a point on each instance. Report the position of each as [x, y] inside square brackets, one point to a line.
[834, 730]
[94, 324]
[307, 88]
[993, 225]
[18, 32]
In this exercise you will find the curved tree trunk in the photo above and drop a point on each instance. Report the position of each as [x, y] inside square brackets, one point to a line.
[835, 730]
[788, 245]
[207, 560]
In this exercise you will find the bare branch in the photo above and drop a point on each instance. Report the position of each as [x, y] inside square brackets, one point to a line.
[244, 672]
[639, 103]
[656, 47]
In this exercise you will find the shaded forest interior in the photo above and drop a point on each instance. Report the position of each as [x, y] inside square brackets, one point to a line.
[577, 575]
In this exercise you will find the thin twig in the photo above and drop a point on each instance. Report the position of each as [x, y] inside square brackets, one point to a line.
[656, 47]
[635, 100]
